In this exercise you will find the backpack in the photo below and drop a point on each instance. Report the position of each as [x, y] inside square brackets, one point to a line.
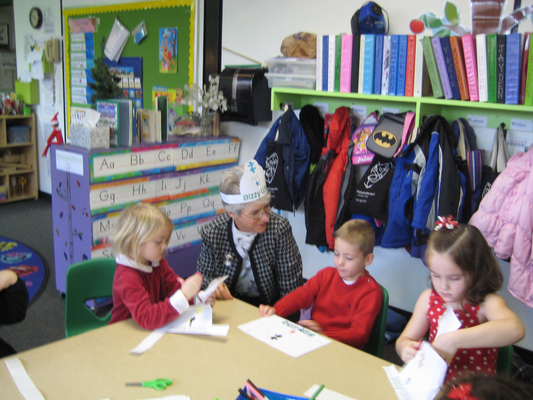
[360, 153]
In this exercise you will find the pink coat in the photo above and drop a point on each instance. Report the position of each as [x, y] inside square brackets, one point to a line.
[505, 217]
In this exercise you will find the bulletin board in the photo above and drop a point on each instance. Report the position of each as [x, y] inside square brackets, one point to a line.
[156, 15]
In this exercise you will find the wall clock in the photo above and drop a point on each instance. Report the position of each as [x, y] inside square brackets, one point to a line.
[36, 17]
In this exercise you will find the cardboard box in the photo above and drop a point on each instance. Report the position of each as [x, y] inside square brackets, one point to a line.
[89, 138]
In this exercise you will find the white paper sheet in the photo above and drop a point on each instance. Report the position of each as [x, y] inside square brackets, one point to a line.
[421, 378]
[326, 394]
[196, 320]
[27, 388]
[285, 336]
[203, 295]
[448, 322]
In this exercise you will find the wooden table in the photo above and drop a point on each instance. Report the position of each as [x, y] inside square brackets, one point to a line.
[95, 365]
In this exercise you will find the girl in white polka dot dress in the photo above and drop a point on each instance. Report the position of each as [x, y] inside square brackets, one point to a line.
[465, 276]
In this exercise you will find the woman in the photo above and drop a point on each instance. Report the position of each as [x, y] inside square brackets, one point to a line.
[249, 243]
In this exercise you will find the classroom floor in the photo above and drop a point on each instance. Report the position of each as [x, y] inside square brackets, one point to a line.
[30, 222]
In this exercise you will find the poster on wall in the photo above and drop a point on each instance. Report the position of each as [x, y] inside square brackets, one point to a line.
[168, 50]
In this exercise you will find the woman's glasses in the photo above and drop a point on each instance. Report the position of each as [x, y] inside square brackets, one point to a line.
[259, 215]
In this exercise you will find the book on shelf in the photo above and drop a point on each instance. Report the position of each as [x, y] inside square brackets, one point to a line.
[402, 65]
[161, 105]
[386, 65]
[523, 68]
[420, 68]
[431, 63]
[356, 45]
[459, 62]
[492, 67]
[500, 68]
[482, 72]
[319, 61]
[450, 67]
[325, 62]
[469, 51]
[441, 66]
[331, 63]
[528, 93]
[393, 71]
[338, 53]
[346, 63]
[361, 63]
[512, 68]
[368, 74]
[378, 65]
[410, 67]
[149, 125]
[118, 115]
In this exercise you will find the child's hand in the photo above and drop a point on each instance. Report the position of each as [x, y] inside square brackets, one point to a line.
[7, 278]
[409, 350]
[444, 345]
[266, 311]
[191, 285]
[210, 300]
[310, 324]
[223, 293]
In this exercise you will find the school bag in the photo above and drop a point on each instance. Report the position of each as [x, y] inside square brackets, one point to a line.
[361, 155]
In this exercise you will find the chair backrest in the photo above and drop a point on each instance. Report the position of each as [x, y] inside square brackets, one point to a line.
[87, 280]
[376, 341]
[504, 360]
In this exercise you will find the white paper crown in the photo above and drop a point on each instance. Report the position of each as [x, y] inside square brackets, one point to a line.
[252, 185]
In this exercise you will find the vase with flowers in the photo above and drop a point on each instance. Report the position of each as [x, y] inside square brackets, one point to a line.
[210, 99]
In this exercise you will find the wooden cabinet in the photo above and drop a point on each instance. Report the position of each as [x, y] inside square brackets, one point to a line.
[492, 114]
[19, 178]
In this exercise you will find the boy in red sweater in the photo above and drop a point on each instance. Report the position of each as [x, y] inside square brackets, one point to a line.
[346, 299]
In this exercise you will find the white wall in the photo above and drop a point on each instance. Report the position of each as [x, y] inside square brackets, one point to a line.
[256, 30]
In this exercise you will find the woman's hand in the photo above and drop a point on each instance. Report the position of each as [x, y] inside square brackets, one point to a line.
[310, 324]
[266, 311]
[223, 293]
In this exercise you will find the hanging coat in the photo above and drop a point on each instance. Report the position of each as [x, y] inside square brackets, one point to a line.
[295, 156]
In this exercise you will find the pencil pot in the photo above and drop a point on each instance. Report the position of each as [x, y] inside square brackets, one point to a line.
[274, 396]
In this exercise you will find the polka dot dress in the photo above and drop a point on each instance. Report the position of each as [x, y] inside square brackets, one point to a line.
[480, 360]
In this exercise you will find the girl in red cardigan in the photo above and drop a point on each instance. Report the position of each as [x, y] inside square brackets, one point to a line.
[145, 287]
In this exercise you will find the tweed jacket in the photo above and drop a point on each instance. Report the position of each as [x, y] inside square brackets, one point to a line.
[274, 256]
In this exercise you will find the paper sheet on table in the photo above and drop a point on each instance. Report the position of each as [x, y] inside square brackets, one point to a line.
[326, 394]
[24, 383]
[285, 336]
[211, 288]
[172, 397]
[196, 320]
[421, 378]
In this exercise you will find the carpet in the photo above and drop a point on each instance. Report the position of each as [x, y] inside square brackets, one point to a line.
[26, 263]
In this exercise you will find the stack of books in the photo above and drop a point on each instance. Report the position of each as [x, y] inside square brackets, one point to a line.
[486, 68]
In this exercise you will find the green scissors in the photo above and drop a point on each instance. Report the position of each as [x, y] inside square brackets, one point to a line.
[157, 384]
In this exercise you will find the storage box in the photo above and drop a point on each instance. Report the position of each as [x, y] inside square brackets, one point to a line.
[292, 66]
[89, 138]
[288, 80]
[18, 134]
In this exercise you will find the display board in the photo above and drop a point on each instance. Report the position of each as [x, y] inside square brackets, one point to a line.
[87, 26]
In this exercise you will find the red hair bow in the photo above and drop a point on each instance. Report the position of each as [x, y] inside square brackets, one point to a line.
[445, 222]
[462, 392]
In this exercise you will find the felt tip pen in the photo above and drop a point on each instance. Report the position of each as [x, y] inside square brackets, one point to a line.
[244, 394]
[314, 396]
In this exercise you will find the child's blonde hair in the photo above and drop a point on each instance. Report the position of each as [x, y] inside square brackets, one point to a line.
[135, 226]
[358, 233]
[468, 249]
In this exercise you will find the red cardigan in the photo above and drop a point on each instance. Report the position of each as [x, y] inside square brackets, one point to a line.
[345, 312]
[144, 295]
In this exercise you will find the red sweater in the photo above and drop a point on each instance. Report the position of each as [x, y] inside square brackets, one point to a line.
[144, 295]
[345, 312]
